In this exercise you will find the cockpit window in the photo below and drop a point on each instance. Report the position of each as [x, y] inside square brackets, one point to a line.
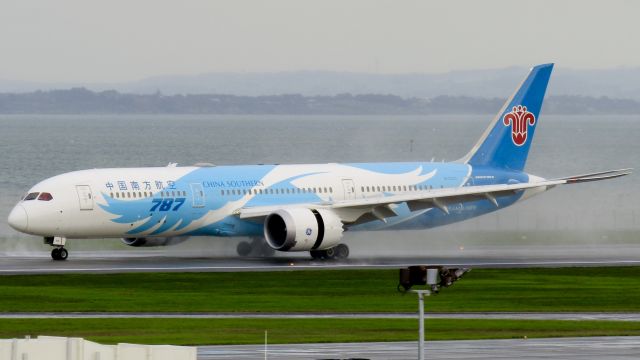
[31, 196]
[45, 196]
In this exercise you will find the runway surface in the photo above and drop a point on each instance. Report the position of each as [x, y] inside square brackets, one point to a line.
[487, 315]
[600, 348]
[127, 262]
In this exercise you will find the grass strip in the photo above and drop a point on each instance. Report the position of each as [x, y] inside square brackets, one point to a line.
[514, 290]
[251, 331]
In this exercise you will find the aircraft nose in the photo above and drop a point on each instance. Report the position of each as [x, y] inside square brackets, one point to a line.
[18, 218]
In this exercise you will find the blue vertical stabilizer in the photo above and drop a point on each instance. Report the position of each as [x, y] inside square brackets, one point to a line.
[505, 144]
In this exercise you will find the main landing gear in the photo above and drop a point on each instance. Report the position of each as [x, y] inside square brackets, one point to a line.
[58, 253]
[257, 247]
[337, 252]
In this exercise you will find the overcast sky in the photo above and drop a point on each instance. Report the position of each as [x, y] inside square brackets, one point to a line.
[124, 40]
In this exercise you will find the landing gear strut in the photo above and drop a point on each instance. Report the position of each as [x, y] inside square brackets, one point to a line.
[257, 247]
[337, 252]
[58, 253]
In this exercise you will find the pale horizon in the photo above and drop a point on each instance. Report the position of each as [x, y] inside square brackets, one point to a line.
[75, 41]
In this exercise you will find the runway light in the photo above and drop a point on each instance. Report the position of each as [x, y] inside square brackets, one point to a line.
[291, 264]
[460, 247]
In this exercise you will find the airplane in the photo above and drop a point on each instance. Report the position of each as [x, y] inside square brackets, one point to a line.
[296, 207]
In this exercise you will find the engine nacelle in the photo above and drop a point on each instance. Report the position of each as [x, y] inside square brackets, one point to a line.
[151, 242]
[301, 229]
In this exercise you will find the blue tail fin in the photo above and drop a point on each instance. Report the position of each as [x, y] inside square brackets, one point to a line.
[505, 143]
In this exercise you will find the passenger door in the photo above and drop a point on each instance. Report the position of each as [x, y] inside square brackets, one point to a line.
[85, 197]
[349, 189]
[197, 192]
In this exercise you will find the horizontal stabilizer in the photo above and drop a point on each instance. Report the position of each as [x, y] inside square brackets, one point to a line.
[603, 175]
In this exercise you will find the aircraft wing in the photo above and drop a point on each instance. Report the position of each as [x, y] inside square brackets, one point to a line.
[382, 207]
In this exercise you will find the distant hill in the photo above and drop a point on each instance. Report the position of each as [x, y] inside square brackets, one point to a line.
[623, 83]
[84, 101]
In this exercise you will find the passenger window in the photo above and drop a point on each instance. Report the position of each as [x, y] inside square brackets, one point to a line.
[118, 195]
[31, 196]
[134, 194]
[111, 194]
[45, 196]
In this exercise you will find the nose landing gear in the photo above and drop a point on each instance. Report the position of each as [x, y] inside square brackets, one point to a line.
[59, 252]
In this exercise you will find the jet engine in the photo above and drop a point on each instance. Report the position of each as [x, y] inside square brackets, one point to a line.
[301, 229]
[156, 241]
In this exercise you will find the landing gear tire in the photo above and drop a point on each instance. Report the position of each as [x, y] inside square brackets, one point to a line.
[330, 253]
[257, 247]
[59, 254]
[337, 252]
[342, 251]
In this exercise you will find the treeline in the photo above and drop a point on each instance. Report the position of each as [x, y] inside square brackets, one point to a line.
[83, 101]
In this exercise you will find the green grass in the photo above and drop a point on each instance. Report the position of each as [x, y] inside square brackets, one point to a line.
[251, 331]
[557, 290]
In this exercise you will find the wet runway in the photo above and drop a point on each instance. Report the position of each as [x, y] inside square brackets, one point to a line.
[600, 348]
[126, 262]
